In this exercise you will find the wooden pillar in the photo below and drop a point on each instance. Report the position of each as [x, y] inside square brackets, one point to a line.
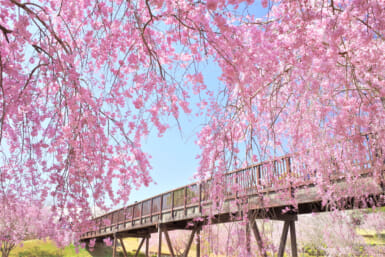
[293, 239]
[258, 238]
[185, 202]
[159, 240]
[198, 243]
[185, 254]
[289, 224]
[152, 203]
[139, 247]
[200, 198]
[172, 204]
[161, 209]
[248, 242]
[114, 246]
[147, 245]
[282, 243]
[164, 229]
[123, 247]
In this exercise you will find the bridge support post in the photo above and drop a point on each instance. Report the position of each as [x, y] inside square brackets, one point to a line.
[139, 247]
[293, 239]
[191, 239]
[114, 246]
[195, 231]
[248, 242]
[164, 229]
[289, 224]
[159, 240]
[147, 245]
[257, 235]
[198, 242]
[123, 247]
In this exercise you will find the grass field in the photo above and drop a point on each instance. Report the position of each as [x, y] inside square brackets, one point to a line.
[40, 248]
[371, 237]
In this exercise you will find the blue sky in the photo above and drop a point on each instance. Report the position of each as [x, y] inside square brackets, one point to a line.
[173, 159]
[174, 155]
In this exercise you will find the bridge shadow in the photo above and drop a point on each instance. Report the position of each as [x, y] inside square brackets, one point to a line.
[119, 254]
[101, 250]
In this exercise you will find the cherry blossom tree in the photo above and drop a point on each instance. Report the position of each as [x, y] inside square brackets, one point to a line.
[21, 221]
[84, 82]
[305, 80]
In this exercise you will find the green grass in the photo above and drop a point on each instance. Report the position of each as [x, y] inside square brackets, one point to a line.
[40, 248]
[372, 237]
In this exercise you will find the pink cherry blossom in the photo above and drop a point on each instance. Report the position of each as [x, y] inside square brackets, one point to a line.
[83, 83]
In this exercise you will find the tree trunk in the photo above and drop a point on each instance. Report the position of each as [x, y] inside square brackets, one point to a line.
[6, 248]
[5, 252]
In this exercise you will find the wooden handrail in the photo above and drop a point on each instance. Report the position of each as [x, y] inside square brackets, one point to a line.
[117, 218]
[261, 176]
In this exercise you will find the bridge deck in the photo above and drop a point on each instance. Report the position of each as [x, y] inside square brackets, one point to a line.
[262, 187]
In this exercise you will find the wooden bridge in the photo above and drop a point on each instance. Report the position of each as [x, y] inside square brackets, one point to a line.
[265, 190]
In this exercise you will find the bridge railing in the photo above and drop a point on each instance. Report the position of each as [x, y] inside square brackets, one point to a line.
[188, 200]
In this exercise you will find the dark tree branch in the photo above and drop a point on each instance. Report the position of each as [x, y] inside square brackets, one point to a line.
[5, 32]
[52, 32]
[3, 98]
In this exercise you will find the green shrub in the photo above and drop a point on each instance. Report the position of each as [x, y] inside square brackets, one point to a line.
[311, 251]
